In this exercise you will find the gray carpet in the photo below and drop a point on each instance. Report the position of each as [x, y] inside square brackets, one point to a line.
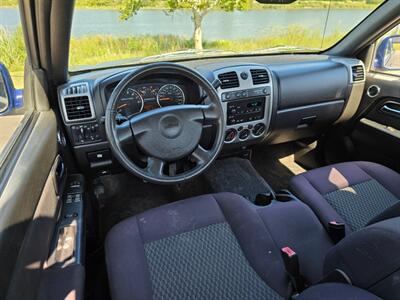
[236, 175]
[276, 164]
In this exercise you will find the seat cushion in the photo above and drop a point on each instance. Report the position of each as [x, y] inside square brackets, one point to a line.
[207, 247]
[354, 192]
[336, 291]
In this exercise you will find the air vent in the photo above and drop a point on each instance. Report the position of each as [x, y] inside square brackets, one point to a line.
[228, 80]
[77, 103]
[259, 76]
[78, 108]
[358, 73]
[76, 89]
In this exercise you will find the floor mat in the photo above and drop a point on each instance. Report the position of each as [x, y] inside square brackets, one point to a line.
[236, 175]
[276, 164]
[126, 195]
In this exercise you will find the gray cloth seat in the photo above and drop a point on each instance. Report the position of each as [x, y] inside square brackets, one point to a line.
[356, 193]
[207, 247]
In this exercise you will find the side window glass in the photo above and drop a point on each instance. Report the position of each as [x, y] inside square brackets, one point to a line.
[12, 61]
[387, 55]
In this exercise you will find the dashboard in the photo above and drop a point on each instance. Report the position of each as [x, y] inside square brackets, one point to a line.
[267, 99]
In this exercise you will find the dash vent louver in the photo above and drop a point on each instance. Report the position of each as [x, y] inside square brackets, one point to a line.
[229, 80]
[358, 73]
[77, 103]
[259, 76]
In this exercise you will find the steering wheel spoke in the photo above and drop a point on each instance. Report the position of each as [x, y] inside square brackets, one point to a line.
[201, 155]
[155, 166]
[124, 133]
[211, 113]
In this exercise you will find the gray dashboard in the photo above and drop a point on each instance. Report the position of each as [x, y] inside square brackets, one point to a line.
[271, 99]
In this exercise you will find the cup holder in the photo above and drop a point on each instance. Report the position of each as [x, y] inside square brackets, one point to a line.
[268, 198]
[284, 196]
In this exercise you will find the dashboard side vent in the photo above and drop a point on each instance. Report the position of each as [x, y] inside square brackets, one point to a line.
[77, 103]
[229, 80]
[259, 76]
[358, 73]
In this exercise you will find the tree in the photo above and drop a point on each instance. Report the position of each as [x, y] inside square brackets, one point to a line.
[199, 9]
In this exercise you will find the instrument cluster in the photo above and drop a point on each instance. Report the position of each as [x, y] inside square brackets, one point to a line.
[144, 97]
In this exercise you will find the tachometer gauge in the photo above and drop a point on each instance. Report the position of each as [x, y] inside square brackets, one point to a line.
[170, 94]
[130, 103]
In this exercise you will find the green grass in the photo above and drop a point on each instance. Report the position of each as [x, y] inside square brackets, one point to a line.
[98, 49]
[339, 4]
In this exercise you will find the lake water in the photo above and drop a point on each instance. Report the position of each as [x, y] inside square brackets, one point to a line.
[216, 25]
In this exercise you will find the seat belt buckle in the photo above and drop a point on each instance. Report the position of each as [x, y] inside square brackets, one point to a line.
[292, 266]
[336, 231]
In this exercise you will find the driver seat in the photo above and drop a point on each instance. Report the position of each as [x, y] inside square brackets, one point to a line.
[207, 247]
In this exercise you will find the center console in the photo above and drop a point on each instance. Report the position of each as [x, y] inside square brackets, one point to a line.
[246, 95]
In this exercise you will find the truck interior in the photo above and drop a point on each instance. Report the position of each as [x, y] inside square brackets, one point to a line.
[265, 175]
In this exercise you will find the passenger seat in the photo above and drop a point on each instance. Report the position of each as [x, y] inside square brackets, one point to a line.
[354, 193]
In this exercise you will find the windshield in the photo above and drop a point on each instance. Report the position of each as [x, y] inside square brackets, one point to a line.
[118, 32]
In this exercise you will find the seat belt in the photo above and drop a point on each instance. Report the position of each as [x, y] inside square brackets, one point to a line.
[336, 231]
[292, 266]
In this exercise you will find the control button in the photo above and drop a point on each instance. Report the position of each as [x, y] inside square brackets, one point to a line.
[230, 135]
[244, 75]
[227, 96]
[101, 155]
[244, 134]
[69, 199]
[70, 215]
[259, 129]
[240, 128]
[250, 126]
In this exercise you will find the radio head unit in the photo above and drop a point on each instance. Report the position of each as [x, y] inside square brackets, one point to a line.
[246, 110]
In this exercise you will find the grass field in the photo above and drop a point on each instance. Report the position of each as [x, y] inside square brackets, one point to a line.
[98, 49]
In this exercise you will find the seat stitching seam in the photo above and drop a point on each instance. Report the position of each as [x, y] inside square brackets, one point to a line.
[244, 253]
[315, 210]
[350, 186]
[373, 178]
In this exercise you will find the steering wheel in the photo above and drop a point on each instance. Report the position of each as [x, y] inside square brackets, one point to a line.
[167, 134]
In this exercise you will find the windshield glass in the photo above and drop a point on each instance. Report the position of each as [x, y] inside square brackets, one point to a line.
[118, 32]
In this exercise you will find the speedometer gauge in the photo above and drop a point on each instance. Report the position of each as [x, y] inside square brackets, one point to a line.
[130, 103]
[170, 94]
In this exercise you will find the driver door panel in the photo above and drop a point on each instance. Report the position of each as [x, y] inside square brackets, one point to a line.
[28, 207]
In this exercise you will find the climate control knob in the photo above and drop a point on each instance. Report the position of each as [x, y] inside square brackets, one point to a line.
[244, 134]
[230, 135]
[258, 129]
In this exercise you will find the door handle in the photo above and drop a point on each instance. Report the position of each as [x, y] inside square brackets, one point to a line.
[388, 108]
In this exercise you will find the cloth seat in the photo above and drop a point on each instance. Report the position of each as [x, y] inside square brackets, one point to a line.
[207, 247]
[336, 291]
[356, 193]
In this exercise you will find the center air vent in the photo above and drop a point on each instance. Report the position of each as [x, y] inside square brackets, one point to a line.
[358, 73]
[259, 76]
[229, 80]
[77, 103]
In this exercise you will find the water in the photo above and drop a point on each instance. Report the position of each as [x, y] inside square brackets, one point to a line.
[216, 25]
